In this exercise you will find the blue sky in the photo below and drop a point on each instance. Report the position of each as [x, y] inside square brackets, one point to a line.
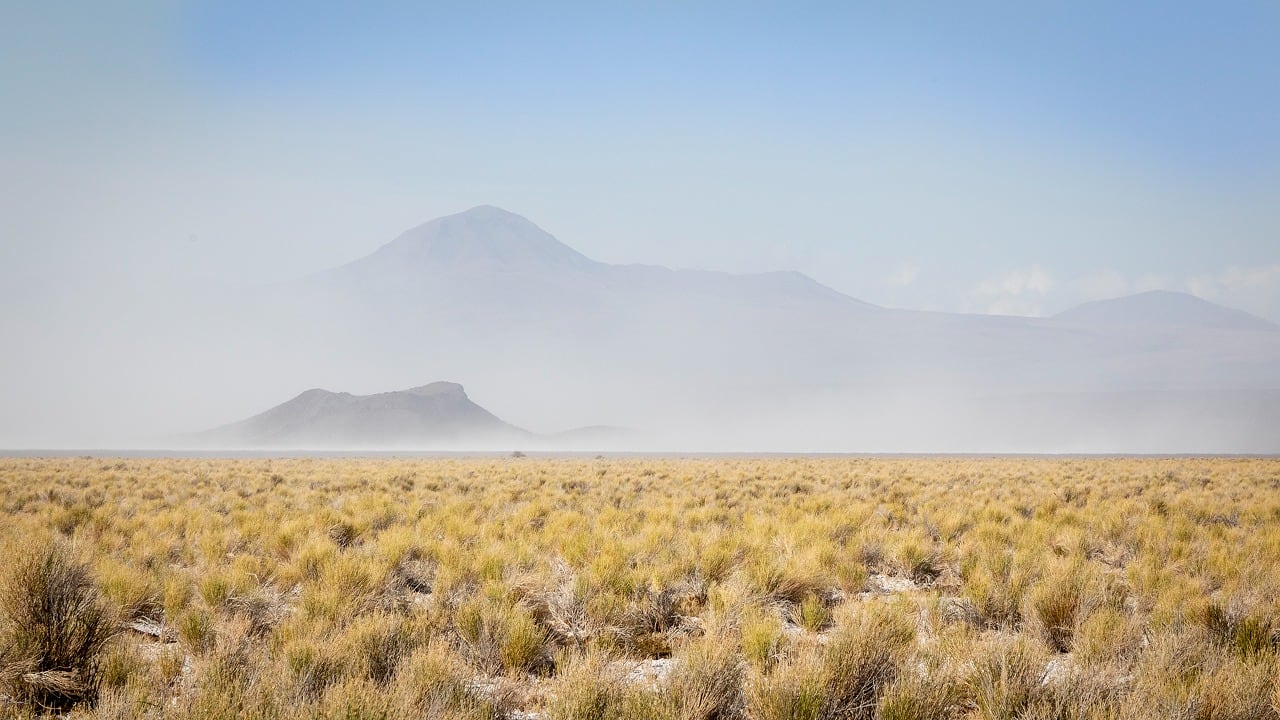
[990, 157]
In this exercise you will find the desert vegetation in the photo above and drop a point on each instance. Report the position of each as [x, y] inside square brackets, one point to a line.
[690, 589]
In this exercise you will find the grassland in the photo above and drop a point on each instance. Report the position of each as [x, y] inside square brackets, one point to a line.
[640, 588]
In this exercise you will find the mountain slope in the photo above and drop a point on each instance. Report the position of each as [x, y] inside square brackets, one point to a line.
[1162, 309]
[439, 415]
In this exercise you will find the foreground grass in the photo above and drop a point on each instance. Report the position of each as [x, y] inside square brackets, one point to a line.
[645, 588]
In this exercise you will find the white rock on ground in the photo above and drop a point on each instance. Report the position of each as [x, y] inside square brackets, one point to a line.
[890, 584]
[652, 672]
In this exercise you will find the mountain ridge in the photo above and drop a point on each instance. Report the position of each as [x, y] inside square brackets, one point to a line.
[486, 238]
[1163, 308]
[442, 259]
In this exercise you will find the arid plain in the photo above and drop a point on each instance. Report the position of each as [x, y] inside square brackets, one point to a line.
[718, 588]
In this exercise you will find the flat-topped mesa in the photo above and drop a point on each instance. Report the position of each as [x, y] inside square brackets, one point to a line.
[434, 415]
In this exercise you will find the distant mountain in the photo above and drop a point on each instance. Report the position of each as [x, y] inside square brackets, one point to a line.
[439, 415]
[482, 239]
[493, 266]
[1163, 309]
[697, 360]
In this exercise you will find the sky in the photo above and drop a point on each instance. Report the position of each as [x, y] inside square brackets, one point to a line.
[1013, 158]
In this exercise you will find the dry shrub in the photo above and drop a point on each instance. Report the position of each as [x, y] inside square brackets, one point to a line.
[589, 688]
[452, 591]
[557, 607]
[131, 591]
[1188, 675]
[433, 683]
[356, 699]
[313, 669]
[919, 562]
[762, 637]
[960, 610]
[343, 534]
[994, 586]
[706, 684]
[863, 658]
[1108, 637]
[780, 585]
[119, 664]
[415, 575]
[923, 696]
[197, 630]
[1007, 677]
[1061, 601]
[660, 610]
[1233, 626]
[813, 613]
[375, 646]
[499, 637]
[843, 680]
[263, 609]
[1237, 689]
[655, 619]
[795, 690]
[234, 682]
[54, 626]
[1097, 693]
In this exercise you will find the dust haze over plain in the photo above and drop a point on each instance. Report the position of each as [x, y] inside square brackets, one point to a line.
[826, 228]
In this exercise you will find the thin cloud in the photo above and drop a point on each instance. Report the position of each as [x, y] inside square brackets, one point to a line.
[904, 275]
[1255, 289]
[1017, 292]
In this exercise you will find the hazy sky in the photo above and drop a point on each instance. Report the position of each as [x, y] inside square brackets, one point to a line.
[1003, 157]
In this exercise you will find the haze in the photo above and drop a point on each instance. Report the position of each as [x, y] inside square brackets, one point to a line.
[202, 208]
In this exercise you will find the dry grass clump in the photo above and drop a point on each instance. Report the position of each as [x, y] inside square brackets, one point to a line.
[54, 627]
[843, 678]
[707, 684]
[628, 588]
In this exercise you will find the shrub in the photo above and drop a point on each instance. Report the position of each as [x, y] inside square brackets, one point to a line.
[922, 697]
[1007, 679]
[196, 629]
[434, 684]
[863, 658]
[706, 684]
[795, 691]
[761, 637]
[54, 628]
[1061, 602]
[1234, 628]
[813, 614]
[843, 680]
[500, 637]
[588, 689]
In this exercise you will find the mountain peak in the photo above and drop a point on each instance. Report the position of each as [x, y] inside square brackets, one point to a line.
[492, 212]
[1163, 308]
[437, 388]
[482, 237]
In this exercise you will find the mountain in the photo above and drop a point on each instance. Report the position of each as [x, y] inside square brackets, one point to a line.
[484, 238]
[439, 415]
[1162, 309]
[492, 265]
[702, 360]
